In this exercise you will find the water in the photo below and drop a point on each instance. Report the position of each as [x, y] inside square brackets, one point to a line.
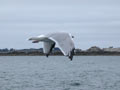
[59, 73]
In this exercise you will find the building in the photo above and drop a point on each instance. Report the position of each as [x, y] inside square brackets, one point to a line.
[111, 49]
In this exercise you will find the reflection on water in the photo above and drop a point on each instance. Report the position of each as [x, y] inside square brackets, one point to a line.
[59, 73]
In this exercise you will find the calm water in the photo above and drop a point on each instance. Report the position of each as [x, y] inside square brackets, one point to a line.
[58, 73]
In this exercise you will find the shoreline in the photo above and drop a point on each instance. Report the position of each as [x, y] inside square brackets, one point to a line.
[92, 51]
[60, 54]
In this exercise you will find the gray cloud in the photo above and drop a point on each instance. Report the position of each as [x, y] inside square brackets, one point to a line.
[92, 22]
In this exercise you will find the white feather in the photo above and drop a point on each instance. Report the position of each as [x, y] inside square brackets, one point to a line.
[62, 39]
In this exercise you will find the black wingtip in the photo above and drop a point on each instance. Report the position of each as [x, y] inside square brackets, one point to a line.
[50, 50]
[71, 58]
[47, 55]
[71, 54]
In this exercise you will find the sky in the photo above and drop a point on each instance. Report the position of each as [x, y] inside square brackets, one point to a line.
[91, 22]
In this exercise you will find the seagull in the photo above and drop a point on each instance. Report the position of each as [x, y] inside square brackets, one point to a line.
[64, 41]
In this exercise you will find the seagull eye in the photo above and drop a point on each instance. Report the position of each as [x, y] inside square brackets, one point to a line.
[72, 36]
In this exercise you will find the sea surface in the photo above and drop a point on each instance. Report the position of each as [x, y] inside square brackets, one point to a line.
[59, 73]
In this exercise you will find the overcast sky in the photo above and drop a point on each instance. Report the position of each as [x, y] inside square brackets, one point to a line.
[92, 22]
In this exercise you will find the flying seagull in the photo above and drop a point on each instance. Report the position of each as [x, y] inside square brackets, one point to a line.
[62, 39]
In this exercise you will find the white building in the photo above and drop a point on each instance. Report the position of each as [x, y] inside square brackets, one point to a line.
[111, 49]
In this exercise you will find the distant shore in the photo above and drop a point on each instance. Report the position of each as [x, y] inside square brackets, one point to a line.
[80, 54]
[93, 51]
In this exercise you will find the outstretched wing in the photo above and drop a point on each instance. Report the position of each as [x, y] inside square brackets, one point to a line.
[65, 43]
[48, 46]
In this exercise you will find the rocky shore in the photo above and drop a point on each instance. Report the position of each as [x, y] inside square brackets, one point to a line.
[56, 51]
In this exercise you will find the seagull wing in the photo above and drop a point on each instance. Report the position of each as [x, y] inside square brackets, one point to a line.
[48, 46]
[65, 43]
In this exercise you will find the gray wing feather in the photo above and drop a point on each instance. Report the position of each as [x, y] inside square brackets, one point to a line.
[48, 47]
[64, 42]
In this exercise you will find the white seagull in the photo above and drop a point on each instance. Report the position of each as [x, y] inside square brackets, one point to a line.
[62, 39]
